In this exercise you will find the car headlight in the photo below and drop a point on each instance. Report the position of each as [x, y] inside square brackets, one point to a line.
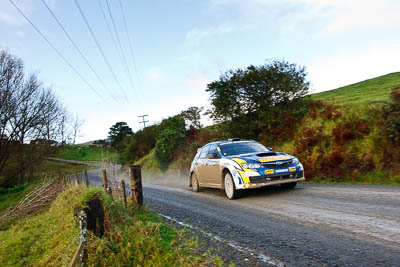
[295, 161]
[251, 165]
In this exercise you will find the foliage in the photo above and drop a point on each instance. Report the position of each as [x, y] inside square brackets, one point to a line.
[192, 117]
[361, 93]
[391, 116]
[170, 133]
[255, 100]
[118, 132]
[138, 144]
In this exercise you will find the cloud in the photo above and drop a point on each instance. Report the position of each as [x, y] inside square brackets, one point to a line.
[195, 36]
[20, 34]
[11, 16]
[197, 81]
[323, 17]
[154, 73]
[347, 67]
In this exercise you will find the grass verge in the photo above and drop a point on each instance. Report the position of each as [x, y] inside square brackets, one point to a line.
[132, 237]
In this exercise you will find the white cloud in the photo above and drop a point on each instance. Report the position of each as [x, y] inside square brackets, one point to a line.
[197, 81]
[20, 34]
[344, 68]
[195, 36]
[11, 16]
[154, 73]
[324, 17]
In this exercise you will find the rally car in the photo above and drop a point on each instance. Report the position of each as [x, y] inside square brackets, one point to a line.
[235, 164]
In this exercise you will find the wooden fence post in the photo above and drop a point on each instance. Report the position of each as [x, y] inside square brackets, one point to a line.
[123, 192]
[105, 180]
[86, 179]
[76, 178]
[136, 184]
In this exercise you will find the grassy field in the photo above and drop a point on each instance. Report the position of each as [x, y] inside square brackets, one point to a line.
[133, 237]
[376, 89]
[87, 153]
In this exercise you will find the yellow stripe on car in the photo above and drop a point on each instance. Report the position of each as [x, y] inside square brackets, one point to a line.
[274, 158]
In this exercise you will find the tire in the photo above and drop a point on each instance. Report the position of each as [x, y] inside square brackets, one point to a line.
[195, 183]
[289, 185]
[229, 187]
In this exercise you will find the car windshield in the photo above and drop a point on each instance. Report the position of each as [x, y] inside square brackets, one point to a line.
[242, 148]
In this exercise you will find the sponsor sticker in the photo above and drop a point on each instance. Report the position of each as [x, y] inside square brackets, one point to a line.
[269, 171]
[281, 170]
[292, 169]
[273, 158]
[219, 149]
[250, 174]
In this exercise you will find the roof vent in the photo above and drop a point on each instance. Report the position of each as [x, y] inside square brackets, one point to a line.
[234, 139]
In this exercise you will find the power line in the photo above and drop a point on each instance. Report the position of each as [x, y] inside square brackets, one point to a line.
[113, 39]
[101, 50]
[57, 51]
[119, 43]
[129, 39]
[79, 51]
[143, 121]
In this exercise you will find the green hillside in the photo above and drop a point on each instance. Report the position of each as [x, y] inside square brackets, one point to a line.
[375, 89]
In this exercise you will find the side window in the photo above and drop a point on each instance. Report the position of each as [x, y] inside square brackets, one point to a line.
[213, 149]
[204, 152]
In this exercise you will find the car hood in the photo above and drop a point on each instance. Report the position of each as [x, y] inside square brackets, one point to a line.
[263, 157]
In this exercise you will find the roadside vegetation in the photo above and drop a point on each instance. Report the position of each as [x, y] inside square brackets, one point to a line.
[347, 135]
[133, 237]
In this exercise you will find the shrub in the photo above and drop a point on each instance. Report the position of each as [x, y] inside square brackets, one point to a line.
[170, 133]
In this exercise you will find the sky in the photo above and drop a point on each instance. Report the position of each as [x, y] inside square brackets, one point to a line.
[174, 48]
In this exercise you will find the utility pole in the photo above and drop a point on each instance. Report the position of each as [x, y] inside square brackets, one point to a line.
[143, 121]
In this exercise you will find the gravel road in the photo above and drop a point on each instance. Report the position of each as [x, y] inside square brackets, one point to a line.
[311, 225]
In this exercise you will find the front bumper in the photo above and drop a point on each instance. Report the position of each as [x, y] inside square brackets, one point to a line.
[274, 182]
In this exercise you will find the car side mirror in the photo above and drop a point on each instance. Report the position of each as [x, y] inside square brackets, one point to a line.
[270, 148]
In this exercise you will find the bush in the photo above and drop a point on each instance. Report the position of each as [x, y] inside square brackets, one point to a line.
[170, 133]
[138, 145]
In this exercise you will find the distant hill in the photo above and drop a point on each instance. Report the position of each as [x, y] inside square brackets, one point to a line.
[375, 89]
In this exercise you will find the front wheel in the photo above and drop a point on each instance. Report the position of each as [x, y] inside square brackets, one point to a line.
[289, 185]
[229, 186]
[195, 183]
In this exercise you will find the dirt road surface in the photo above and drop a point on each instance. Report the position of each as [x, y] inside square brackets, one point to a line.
[311, 225]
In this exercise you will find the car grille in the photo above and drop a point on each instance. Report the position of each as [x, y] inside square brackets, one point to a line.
[276, 164]
[262, 179]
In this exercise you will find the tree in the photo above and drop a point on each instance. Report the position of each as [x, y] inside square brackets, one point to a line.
[76, 126]
[192, 116]
[118, 132]
[28, 112]
[252, 100]
[170, 133]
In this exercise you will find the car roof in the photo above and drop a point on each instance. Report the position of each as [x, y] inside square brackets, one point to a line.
[228, 141]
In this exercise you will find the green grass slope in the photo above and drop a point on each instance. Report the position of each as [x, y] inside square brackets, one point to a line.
[87, 153]
[375, 89]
